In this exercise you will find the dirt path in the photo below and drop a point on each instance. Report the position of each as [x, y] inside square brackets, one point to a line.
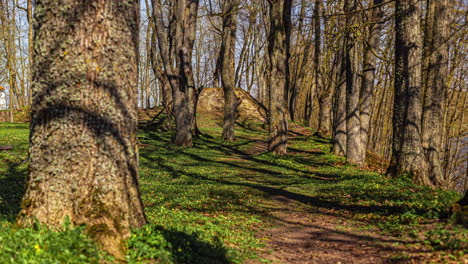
[300, 237]
[302, 234]
[262, 145]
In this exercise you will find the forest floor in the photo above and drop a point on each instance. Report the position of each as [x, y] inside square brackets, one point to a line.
[305, 232]
[314, 234]
[221, 202]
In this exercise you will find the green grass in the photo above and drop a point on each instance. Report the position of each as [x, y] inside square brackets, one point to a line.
[12, 167]
[206, 203]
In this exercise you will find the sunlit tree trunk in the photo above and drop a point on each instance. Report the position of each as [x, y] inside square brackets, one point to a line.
[29, 8]
[301, 92]
[227, 57]
[435, 80]
[329, 65]
[317, 70]
[280, 16]
[368, 76]
[187, 15]
[353, 122]
[83, 143]
[407, 151]
[175, 45]
[339, 107]
[156, 65]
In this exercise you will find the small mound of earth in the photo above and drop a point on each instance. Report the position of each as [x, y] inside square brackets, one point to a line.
[211, 100]
[148, 114]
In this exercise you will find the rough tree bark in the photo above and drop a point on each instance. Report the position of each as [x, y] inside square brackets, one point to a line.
[339, 107]
[83, 143]
[227, 63]
[368, 75]
[175, 46]
[29, 10]
[329, 62]
[325, 103]
[278, 45]
[166, 91]
[317, 70]
[188, 12]
[353, 122]
[407, 151]
[156, 65]
[301, 93]
[436, 73]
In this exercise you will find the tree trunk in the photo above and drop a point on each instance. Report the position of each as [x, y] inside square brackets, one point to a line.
[280, 14]
[188, 11]
[435, 81]
[149, 54]
[155, 64]
[339, 108]
[353, 122]
[147, 63]
[8, 27]
[324, 122]
[11, 109]
[162, 77]
[298, 66]
[30, 47]
[329, 68]
[83, 143]
[177, 46]
[227, 58]
[368, 75]
[460, 210]
[407, 152]
[317, 51]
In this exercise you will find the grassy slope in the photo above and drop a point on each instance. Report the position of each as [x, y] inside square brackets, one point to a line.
[206, 203]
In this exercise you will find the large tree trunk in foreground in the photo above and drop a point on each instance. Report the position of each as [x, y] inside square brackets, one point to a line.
[435, 78]
[280, 15]
[227, 57]
[368, 75]
[83, 153]
[407, 151]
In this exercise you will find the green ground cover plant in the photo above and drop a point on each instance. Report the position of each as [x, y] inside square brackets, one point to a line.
[206, 203]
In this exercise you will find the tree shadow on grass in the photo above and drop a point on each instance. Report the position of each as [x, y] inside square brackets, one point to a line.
[250, 126]
[229, 150]
[268, 189]
[178, 247]
[12, 184]
[337, 192]
[273, 184]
